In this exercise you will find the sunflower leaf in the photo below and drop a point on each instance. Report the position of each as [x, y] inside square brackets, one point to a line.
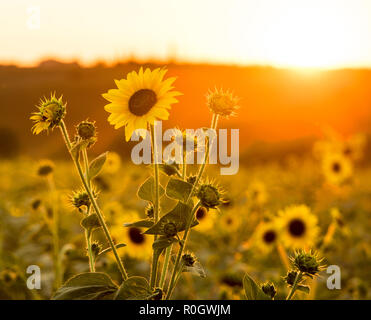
[118, 246]
[252, 290]
[145, 223]
[134, 288]
[87, 286]
[178, 189]
[303, 288]
[162, 243]
[96, 165]
[147, 190]
[179, 216]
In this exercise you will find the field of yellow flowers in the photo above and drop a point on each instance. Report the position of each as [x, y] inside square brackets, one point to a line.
[105, 228]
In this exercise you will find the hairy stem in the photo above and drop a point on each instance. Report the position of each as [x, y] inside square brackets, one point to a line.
[93, 201]
[153, 276]
[172, 283]
[294, 286]
[88, 235]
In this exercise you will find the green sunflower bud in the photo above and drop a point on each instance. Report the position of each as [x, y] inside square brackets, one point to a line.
[307, 262]
[209, 196]
[269, 289]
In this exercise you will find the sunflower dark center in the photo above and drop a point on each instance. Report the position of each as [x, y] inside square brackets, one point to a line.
[269, 236]
[142, 101]
[201, 213]
[136, 236]
[297, 227]
[336, 167]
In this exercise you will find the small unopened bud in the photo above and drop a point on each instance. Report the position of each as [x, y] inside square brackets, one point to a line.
[269, 289]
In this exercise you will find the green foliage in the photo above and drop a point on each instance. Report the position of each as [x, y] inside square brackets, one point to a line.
[145, 223]
[180, 215]
[87, 286]
[147, 190]
[252, 290]
[134, 288]
[178, 189]
[96, 165]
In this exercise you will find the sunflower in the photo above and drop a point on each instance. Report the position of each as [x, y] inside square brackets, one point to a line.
[298, 226]
[113, 162]
[205, 219]
[138, 245]
[266, 236]
[222, 103]
[140, 99]
[336, 168]
[229, 221]
[257, 193]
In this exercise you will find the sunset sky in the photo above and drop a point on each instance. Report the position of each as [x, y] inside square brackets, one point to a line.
[283, 33]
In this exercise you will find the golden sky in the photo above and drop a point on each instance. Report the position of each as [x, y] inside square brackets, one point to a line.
[283, 33]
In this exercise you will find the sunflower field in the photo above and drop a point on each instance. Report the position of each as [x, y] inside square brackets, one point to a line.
[103, 227]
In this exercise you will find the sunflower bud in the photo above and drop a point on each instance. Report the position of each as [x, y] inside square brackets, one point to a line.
[222, 103]
[80, 198]
[209, 196]
[96, 248]
[290, 277]
[189, 259]
[269, 289]
[50, 114]
[169, 169]
[191, 179]
[307, 262]
[86, 130]
[149, 210]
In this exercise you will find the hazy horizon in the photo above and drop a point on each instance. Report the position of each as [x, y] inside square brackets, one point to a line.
[325, 34]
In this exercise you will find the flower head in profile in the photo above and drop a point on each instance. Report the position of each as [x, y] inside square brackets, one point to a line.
[140, 99]
[50, 114]
[222, 103]
[298, 226]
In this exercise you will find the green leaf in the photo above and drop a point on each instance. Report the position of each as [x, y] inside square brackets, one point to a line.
[87, 286]
[145, 223]
[147, 190]
[134, 288]
[179, 216]
[303, 288]
[90, 222]
[252, 290]
[77, 147]
[117, 246]
[178, 189]
[163, 242]
[96, 165]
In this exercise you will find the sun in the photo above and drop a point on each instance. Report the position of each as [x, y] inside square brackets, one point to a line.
[298, 34]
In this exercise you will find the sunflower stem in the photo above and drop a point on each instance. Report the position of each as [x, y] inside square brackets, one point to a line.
[294, 286]
[93, 201]
[153, 275]
[88, 235]
[214, 123]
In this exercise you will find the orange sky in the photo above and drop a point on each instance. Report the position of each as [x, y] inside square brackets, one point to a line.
[283, 33]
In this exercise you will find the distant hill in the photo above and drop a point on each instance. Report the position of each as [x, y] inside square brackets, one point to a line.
[276, 105]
